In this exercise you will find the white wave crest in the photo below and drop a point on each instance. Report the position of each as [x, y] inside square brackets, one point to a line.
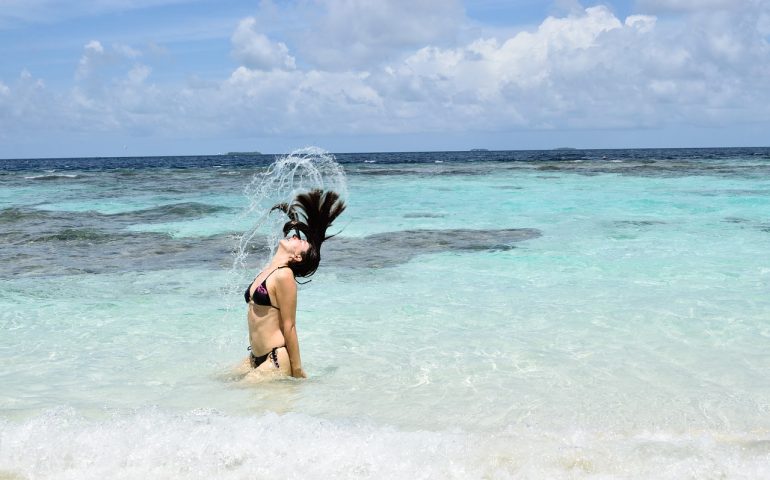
[206, 444]
[51, 176]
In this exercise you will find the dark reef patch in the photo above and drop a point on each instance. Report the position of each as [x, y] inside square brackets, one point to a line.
[736, 220]
[394, 248]
[172, 212]
[78, 235]
[85, 250]
[14, 215]
[95, 252]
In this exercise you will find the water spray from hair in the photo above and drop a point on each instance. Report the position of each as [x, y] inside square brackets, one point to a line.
[298, 172]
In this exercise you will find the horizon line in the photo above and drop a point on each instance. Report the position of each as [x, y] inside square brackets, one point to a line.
[473, 150]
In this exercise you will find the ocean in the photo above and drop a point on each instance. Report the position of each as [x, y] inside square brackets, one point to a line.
[599, 314]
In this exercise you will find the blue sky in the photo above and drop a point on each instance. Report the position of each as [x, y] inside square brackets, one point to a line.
[167, 77]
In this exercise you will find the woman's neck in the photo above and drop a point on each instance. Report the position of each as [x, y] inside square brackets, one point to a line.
[278, 261]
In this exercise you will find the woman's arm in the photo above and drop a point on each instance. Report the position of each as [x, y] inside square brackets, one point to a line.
[286, 296]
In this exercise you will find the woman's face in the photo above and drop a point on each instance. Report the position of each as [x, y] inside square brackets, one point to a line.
[295, 245]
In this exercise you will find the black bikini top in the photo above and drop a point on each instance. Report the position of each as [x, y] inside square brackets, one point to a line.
[260, 296]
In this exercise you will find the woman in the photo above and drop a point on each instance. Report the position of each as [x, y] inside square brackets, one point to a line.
[272, 296]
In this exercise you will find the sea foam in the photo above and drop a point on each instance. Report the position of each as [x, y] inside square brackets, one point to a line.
[206, 444]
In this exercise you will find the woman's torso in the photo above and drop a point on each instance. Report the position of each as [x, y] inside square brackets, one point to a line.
[264, 320]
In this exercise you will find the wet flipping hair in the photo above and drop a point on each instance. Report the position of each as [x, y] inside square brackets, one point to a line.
[311, 214]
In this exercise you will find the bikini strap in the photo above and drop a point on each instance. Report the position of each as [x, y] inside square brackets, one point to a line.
[268, 275]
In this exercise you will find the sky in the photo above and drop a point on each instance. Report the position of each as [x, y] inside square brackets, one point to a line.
[198, 77]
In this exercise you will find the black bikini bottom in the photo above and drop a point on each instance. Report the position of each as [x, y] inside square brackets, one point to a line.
[259, 360]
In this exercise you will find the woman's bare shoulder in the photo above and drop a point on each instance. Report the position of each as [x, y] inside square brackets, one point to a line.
[284, 276]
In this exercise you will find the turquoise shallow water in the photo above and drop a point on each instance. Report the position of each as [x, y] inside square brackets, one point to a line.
[578, 317]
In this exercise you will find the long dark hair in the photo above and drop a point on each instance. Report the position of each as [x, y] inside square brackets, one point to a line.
[311, 213]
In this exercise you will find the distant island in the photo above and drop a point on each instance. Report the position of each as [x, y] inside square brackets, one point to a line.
[479, 150]
[244, 153]
[565, 148]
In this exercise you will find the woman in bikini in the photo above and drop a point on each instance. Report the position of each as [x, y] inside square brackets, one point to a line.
[272, 296]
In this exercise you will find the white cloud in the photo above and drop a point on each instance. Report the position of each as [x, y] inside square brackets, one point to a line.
[530, 79]
[139, 74]
[592, 70]
[29, 103]
[643, 23]
[589, 69]
[94, 46]
[284, 102]
[96, 56]
[126, 51]
[256, 51]
[28, 82]
[124, 102]
[360, 34]
[93, 51]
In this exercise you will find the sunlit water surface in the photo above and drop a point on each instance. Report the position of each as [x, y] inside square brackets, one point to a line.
[582, 314]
